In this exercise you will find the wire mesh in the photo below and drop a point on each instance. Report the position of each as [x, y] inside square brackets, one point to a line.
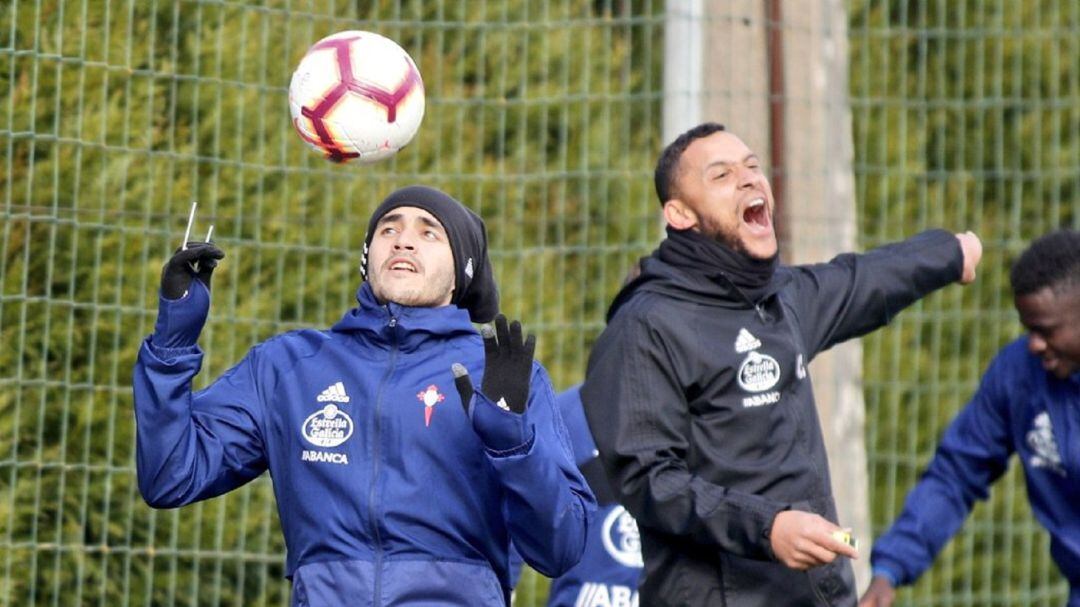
[116, 114]
[544, 116]
[966, 116]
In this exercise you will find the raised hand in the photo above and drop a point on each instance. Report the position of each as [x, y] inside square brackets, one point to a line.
[180, 320]
[507, 364]
[508, 359]
[198, 260]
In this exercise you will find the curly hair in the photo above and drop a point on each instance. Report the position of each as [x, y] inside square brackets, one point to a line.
[667, 167]
[1052, 260]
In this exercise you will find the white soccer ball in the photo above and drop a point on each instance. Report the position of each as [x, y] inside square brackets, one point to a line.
[356, 95]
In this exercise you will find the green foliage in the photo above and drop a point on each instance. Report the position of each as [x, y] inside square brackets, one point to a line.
[544, 117]
[965, 117]
[116, 114]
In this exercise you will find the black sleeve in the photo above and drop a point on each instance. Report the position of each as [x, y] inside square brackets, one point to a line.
[640, 420]
[855, 294]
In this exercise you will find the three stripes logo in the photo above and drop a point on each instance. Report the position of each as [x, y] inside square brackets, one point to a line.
[746, 342]
[335, 393]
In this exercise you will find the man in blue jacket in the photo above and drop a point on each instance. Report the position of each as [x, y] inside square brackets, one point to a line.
[608, 572]
[388, 492]
[1028, 403]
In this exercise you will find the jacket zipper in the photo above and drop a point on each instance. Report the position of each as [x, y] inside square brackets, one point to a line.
[372, 508]
[758, 308]
[802, 440]
[796, 341]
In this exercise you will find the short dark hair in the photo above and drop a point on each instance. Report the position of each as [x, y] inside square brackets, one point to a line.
[667, 167]
[1052, 260]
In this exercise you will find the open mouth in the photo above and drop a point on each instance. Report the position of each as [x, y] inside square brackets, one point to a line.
[756, 215]
[402, 265]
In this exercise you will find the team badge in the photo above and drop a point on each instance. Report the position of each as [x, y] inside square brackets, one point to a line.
[430, 397]
[1041, 440]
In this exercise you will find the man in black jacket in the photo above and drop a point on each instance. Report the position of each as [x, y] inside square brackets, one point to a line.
[697, 392]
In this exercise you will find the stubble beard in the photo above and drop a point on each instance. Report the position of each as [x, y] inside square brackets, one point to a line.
[725, 237]
[431, 293]
[730, 239]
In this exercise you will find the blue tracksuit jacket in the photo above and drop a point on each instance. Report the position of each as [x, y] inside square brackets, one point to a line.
[608, 572]
[1020, 408]
[386, 494]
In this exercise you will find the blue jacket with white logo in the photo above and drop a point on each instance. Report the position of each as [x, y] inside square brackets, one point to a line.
[1021, 408]
[386, 493]
[608, 572]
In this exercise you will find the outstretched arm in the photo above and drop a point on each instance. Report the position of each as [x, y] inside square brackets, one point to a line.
[191, 446]
[973, 453]
[855, 294]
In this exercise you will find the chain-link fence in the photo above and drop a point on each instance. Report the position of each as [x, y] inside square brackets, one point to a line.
[545, 117]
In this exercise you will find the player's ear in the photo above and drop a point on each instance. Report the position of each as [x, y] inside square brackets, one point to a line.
[679, 215]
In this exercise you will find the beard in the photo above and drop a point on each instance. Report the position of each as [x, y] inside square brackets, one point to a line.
[726, 237]
[730, 238]
[432, 293]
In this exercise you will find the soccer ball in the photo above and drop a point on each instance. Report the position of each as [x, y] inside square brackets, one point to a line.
[356, 95]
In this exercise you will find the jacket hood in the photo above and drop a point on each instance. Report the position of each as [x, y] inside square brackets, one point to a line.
[415, 324]
[663, 278]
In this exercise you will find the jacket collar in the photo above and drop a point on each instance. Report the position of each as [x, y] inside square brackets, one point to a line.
[406, 326]
[660, 277]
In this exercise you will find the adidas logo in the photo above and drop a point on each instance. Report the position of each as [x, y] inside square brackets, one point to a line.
[746, 342]
[335, 393]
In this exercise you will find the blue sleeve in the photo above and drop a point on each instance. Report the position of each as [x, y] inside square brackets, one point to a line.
[193, 446]
[573, 415]
[973, 453]
[548, 504]
[855, 294]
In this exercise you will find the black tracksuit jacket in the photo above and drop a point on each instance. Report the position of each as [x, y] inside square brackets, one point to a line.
[705, 420]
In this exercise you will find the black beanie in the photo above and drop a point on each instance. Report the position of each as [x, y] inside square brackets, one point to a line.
[474, 285]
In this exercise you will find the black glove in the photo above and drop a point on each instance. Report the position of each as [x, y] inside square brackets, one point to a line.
[498, 418]
[198, 260]
[507, 365]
